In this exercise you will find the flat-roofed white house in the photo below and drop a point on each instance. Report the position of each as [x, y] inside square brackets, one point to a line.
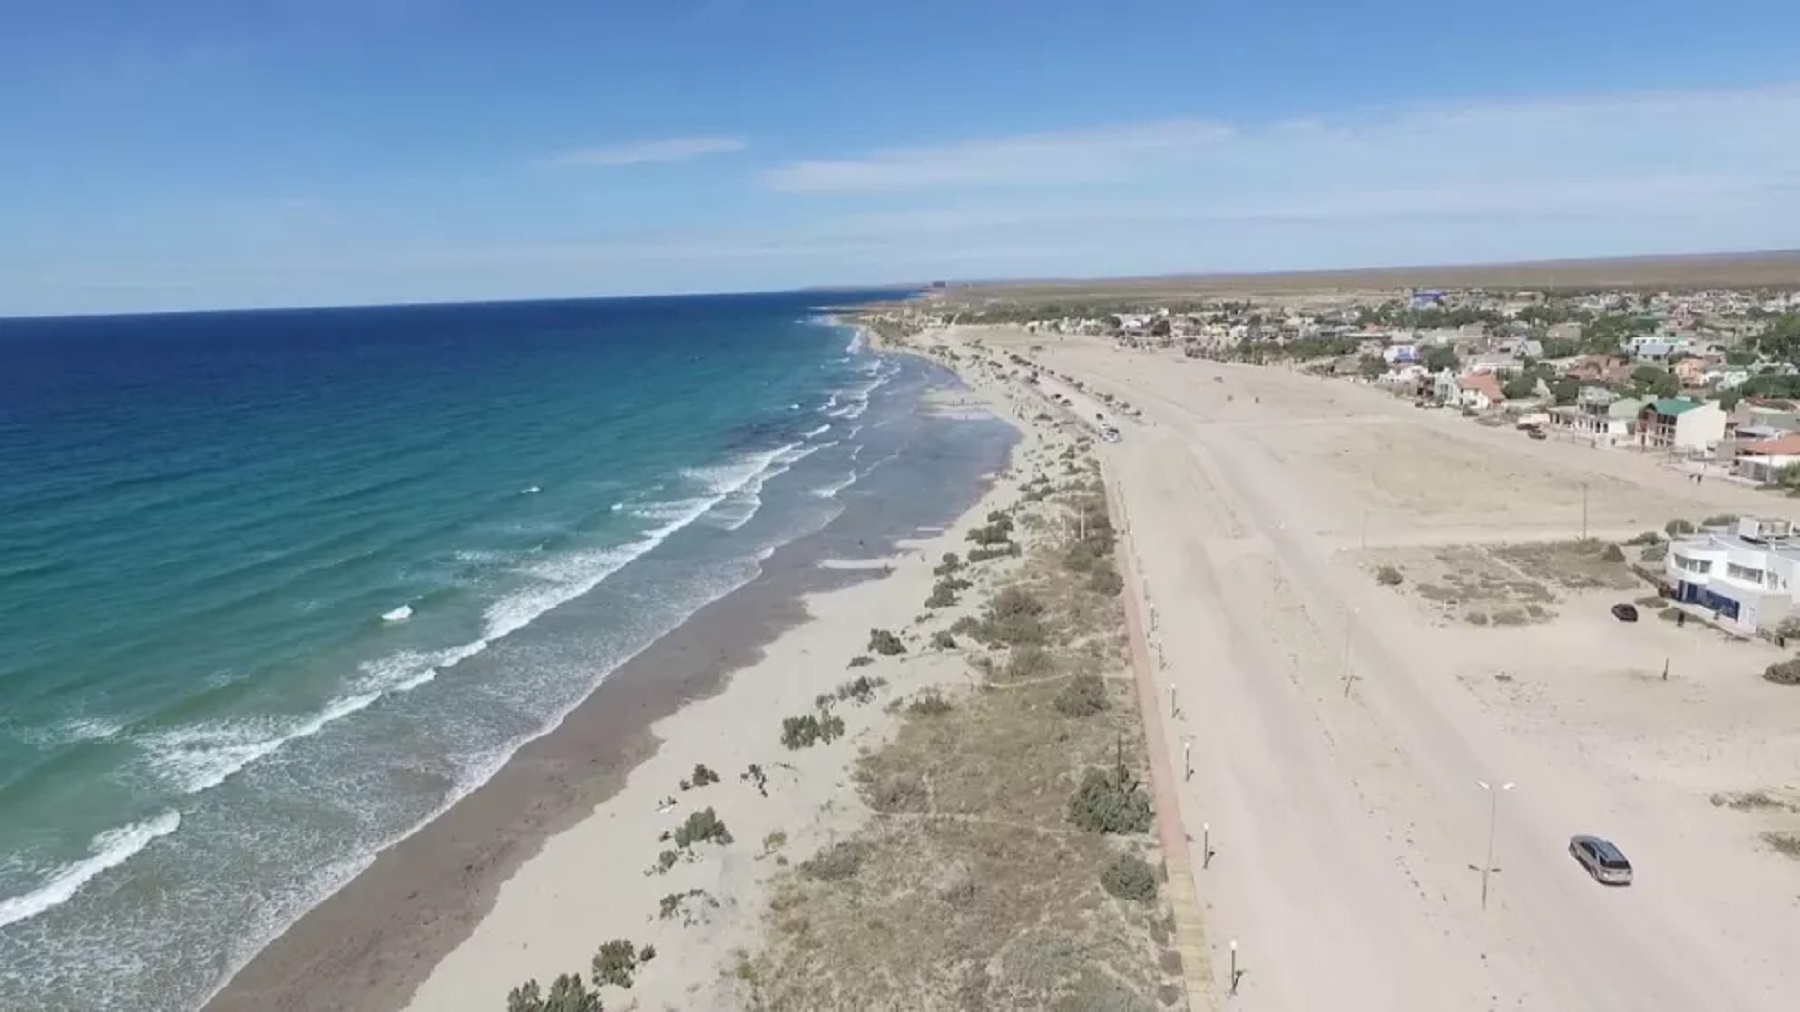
[1748, 577]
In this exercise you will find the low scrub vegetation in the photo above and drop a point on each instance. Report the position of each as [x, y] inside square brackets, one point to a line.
[837, 862]
[567, 994]
[943, 640]
[883, 642]
[1130, 878]
[929, 703]
[860, 689]
[811, 729]
[1110, 801]
[1084, 696]
[1388, 576]
[699, 778]
[618, 960]
[702, 827]
[1784, 673]
[1015, 618]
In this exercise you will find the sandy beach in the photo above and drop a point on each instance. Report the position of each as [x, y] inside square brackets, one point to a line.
[1361, 746]
[591, 882]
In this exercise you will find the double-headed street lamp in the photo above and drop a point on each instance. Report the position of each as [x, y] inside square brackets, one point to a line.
[1487, 866]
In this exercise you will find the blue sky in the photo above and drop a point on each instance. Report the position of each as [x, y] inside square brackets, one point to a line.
[223, 153]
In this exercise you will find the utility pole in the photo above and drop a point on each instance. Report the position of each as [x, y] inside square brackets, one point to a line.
[1349, 630]
[1487, 867]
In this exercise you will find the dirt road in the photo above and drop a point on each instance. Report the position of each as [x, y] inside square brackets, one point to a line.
[1337, 763]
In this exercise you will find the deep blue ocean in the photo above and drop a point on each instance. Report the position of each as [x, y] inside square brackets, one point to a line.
[242, 556]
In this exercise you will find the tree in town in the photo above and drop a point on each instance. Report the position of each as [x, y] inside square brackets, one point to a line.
[1654, 381]
[1441, 357]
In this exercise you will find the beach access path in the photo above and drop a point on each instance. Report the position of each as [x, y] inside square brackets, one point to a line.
[1340, 767]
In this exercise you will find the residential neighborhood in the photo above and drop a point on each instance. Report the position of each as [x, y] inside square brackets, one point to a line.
[1707, 380]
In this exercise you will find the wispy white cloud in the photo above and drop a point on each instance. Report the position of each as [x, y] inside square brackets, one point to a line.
[1088, 156]
[1557, 143]
[671, 149]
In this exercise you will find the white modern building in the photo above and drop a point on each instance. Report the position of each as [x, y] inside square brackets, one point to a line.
[1748, 577]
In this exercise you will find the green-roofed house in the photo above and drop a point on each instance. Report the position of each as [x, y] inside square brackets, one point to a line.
[1680, 424]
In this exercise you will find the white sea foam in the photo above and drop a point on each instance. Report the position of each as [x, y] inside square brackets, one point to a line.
[202, 757]
[830, 491]
[199, 758]
[740, 506]
[108, 850]
[532, 490]
[820, 431]
[399, 614]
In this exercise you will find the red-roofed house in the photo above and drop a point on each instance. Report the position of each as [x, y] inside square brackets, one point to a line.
[1480, 390]
[1762, 461]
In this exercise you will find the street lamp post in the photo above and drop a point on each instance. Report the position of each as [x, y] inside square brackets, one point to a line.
[1349, 631]
[1487, 866]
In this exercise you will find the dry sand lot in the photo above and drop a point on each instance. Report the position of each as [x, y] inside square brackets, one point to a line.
[1339, 728]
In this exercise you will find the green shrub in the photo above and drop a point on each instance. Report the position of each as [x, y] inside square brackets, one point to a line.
[1084, 696]
[616, 961]
[567, 994]
[671, 904]
[1110, 802]
[950, 565]
[801, 732]
[700, 827]
[1130, 877]
[941, 596]
[942, 640]
[861, 661]
[1014, 617]
[699, 778]
[1613, 553]
[1645, 538]
[860, 689]
[885, 643]
[1010, 549]
[1388, 576]
[1720, 520]
[1678, 526]
[990, 535]
[968, 625]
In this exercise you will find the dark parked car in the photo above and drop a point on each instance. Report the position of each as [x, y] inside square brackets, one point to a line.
[1625, 612]
[1605, 862]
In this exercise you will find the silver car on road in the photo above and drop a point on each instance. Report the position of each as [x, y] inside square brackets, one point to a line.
[1602, 859]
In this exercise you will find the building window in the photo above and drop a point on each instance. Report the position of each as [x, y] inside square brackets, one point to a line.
[1744, 573]
[1691, 565]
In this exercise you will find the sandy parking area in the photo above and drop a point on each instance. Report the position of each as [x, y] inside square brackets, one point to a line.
[1339, 728]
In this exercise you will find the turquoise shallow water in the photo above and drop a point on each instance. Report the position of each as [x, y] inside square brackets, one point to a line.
[245, 557]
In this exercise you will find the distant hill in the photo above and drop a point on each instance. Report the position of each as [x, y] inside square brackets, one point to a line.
[1759, 269]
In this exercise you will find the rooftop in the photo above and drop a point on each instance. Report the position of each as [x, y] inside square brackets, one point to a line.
[1673, 405]
[1788, 445]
